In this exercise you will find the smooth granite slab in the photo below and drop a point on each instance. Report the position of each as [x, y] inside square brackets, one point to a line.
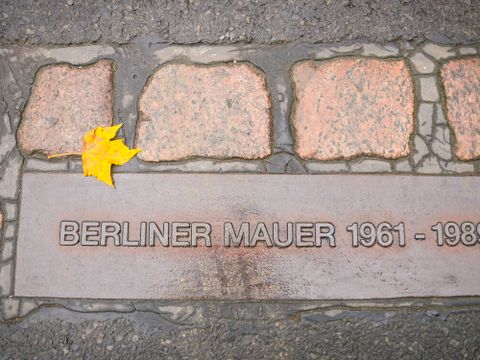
[198, 236]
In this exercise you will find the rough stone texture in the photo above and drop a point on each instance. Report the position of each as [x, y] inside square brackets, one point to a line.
[461, 80]
[467, 51]
[220, 111]
[42, 165]
[422, 64]
[284, 163]
[7, 251]
[403, 166]
[324, 54]
[428, 89]
[7, 143]
[9, 230]
[27, 306]
[371, 166]
[10, 211]
[352, 106]
[9, 175]
[335, 167]
[64, 103]
[1, 223]
[10, 308]
[425, 115]
[77, 55]
[6, 278]
[440, 118]
[458, 167]
[438, 52]
[420, 149]
[225, 330]
[429, 166]
[75, 165]
[205, 166]
[380, 51]
[441, 143]
[210, 21]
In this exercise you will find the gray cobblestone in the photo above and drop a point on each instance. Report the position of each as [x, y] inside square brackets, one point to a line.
[422, 64]
[9, 231]
[428, 89]
[11, 173]
[294, 166]
[27, 306]
[10, 211]
[467, 51]
[278, 163]
[284, 163]
[45, 165]
[347, 48]
[403, 166]
[323, 54]
[99, 306]
[7, 144]
[173, 313]
[425, 120]
[7, 252]
[457, 167]
[238, 166]
[202, 53]
[440, 118]
[330, 167]
[6, 122]
[430, 165]
[75, 55]
[10, 307]
[75, 165]
[6, 278]
[210, 166]
[371, 166]
[379, 51]
[441, 144]
[420, 149]
[438, 52]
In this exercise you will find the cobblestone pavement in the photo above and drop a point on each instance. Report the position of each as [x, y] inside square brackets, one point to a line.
[426, 91]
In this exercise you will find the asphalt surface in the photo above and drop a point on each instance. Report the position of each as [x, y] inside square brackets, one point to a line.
[245, 331]
[257, 21]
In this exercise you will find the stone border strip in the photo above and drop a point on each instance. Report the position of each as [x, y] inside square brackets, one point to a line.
[431, 143]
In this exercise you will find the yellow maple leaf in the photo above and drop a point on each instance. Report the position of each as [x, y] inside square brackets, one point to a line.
[100, 152]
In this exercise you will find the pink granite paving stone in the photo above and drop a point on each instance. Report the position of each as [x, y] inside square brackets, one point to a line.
[461, 81]
[351, 107]
[65, 102]
[219, 111]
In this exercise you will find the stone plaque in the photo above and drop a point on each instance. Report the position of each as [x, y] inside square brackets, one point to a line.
[195, 236]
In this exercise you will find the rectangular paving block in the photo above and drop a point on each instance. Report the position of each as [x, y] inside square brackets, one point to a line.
[199, 236]
[349, 107]
[461, 81]
[65, 102]
[192, 110]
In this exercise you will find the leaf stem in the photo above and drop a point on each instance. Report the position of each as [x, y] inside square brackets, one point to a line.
[64, 154]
